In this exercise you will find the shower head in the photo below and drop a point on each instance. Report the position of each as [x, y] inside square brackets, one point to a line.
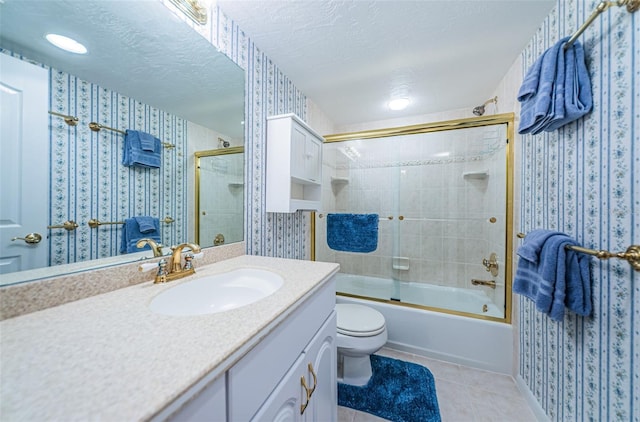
[222, 143]
[479, 110]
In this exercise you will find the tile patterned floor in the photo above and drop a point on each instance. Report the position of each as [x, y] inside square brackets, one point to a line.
[464, 394]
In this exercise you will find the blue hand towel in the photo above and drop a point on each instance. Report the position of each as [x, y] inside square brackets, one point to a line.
[552, 276]
[352, 232]
[141, 150]
[556, 90]
[537, 103]
[578, 283]
[148, 224]
[577, 98]
[131, 234]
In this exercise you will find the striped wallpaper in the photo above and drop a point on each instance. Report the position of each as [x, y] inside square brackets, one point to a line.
[89, 181]
[584, 179]
[268, 92]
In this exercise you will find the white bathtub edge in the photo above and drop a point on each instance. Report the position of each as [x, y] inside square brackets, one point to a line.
[467, 341]
[447, 357]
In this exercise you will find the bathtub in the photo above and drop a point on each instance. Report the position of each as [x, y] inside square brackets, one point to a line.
[467, 341]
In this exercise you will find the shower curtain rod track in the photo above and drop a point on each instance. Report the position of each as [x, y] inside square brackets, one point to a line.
[403, 218]
[94, 126]
[632, 6]
[632, 254]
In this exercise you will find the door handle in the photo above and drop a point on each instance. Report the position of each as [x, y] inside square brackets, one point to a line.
[31, 238]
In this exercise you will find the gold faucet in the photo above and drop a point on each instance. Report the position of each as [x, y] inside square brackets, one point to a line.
[155, 247]
[176, 270]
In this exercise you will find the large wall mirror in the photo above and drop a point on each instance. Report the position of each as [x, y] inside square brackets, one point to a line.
[145, 69]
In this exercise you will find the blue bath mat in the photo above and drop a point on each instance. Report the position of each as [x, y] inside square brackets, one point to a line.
[398, 391]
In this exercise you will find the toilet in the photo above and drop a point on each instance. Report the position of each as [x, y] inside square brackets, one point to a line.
[361, 332]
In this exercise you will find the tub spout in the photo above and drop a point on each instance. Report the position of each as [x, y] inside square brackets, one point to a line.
[488, 283]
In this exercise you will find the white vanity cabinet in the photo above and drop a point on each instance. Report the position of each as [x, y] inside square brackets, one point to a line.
[308, 390]
[294, 165]
[266, 383]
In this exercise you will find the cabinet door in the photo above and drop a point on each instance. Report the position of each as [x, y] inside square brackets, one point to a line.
[313, 160]
[323, 356]
[298, 151]
[283, 405]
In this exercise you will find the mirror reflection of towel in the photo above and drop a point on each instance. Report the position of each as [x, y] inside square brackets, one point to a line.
[141, 150]
[352, 232]
[132, 232]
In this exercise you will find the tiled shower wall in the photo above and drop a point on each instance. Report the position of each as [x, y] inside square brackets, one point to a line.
[445, 233]
[88, 180]
[584, 179]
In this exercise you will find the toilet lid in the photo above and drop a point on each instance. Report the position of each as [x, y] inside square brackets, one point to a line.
[359, 320]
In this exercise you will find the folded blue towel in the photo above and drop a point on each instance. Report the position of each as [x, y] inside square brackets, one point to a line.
[556, 90]
[148, 224]
[552, 276]
[147, 141]
[131, 234]
[578, 99]
[536, 103]
[352, 232]
[141, 150]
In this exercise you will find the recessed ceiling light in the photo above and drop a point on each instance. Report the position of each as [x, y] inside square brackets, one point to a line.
[399, 103]
[66, 43]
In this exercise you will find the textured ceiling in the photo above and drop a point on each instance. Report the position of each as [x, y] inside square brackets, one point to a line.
[350, 57]
[137, 48]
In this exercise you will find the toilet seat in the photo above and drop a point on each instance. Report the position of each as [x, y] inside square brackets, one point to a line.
[359, 320]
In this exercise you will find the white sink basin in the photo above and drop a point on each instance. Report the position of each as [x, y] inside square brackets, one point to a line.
[217, 293]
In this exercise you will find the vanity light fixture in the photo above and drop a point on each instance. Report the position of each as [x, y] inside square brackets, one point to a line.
[398, 103]
[193, 10]
[66, 43]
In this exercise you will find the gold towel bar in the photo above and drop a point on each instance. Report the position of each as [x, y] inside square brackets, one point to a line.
[381, 218]
[632, 254]
[632, 6]
[70, 120]
[97, 126]
[68, 225]
[95, 223]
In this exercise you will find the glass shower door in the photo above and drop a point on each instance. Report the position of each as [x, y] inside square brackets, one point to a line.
[441, 197]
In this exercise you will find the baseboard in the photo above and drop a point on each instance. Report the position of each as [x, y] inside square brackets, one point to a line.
[535, 407]
[445, 357]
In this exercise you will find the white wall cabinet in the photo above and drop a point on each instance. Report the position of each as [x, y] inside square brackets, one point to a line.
[294, 165]
[266, 383]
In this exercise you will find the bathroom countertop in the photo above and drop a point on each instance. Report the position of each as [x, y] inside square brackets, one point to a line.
[109, 357]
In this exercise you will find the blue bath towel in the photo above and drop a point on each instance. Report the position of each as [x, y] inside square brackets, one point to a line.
[132, 233]
[552, 276]
[141, 150]
[352, 232]
[556, 90]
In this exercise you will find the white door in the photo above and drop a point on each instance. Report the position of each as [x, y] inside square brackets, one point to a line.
[24, 158]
